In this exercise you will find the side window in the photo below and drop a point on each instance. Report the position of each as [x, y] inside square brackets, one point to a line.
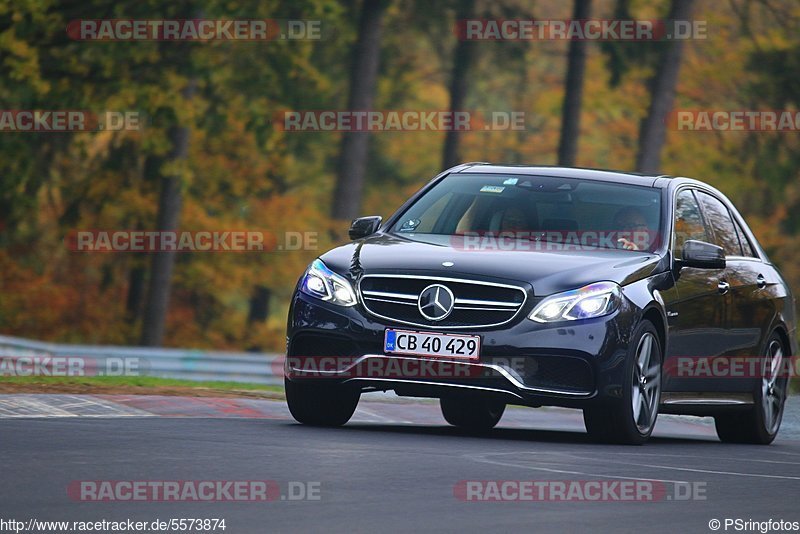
[747, 248]
[718, 216]
[688, 222]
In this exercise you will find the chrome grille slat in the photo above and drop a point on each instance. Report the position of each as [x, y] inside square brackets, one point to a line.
[404, 303]
[478, 302]
[390, 295]
[476, 308]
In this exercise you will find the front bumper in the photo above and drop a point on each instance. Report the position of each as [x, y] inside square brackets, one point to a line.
[572, 364]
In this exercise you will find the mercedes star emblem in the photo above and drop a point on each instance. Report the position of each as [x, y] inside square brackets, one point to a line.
[436, 302]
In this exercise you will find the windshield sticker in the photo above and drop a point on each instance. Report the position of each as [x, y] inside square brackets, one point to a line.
[511, 181]
[409, 225]
[492, 189]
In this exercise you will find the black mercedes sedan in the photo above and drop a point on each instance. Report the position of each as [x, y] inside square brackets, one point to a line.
[619, 294]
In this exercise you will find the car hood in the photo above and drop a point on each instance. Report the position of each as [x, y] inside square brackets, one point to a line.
[547, 271]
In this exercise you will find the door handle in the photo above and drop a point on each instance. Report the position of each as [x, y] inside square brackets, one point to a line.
[761, 282]
[723, 286]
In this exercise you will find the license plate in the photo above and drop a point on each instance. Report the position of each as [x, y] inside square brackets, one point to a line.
[432, 344]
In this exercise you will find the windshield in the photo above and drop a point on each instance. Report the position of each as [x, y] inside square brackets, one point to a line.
[564, 211]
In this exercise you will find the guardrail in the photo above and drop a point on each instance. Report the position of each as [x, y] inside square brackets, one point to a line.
[247, 367]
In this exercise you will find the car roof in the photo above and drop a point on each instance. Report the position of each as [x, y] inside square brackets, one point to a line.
[602, 175]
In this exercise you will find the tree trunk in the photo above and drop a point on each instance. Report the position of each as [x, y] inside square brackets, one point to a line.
[462, 60]
[573, 92]
[652, 132]
[364, 73]
[133, 303]
[169, 208]
[259, 305]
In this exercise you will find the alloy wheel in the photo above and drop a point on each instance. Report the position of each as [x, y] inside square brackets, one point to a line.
[646, 384]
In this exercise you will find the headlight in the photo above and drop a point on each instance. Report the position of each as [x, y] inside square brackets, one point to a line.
[594, 300]
[321, 282]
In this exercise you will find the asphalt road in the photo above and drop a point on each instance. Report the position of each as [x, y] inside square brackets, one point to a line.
[396, 467]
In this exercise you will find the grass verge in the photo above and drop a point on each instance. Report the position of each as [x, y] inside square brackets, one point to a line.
[135, 385]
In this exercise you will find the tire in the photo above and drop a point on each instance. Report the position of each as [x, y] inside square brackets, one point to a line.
[760, 424]
[320, 404]
[631, 420]
[472, 413]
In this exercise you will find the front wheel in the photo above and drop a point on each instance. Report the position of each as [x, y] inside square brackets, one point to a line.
[320, 404]
[760, 424]
[631, 420]
[472, 413]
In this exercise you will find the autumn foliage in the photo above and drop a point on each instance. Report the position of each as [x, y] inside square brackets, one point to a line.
[243, 172]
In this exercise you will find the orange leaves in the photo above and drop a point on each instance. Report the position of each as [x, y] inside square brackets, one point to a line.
[51, 307]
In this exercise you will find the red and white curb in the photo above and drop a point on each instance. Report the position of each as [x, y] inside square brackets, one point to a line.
[380, 411]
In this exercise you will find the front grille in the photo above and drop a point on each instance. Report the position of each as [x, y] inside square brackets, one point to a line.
[477, 304]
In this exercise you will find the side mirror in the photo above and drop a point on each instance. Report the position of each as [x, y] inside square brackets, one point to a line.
[702, 255]
[364, 226]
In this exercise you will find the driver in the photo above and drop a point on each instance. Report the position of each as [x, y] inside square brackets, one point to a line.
[633, 230]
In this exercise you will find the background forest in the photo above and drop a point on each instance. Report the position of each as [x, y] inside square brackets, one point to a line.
[211, 156]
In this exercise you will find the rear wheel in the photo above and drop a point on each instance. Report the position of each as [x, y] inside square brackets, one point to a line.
[631, 421]
[320, 404]
[760, 424]
[472, 413]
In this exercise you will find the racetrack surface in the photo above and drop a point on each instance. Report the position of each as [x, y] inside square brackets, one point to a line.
[396, 466]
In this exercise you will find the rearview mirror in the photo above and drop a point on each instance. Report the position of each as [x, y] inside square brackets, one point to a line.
[364, 226]
[702, 255]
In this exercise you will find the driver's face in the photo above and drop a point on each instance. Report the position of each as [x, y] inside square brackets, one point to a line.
[633, 222]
